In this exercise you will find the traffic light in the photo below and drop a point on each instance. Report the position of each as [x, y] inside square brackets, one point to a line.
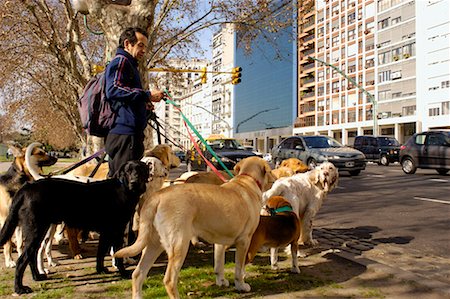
[97, 69]
[203, 75]
[236, 75]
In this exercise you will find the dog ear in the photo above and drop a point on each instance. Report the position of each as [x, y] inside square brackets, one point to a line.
[237, 167]
[314, 176]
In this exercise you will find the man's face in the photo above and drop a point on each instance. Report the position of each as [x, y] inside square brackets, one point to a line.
[138, 49]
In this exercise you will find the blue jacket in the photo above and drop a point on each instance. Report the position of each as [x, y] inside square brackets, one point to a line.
[124, 90]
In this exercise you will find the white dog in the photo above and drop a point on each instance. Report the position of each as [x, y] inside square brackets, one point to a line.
[306, 193]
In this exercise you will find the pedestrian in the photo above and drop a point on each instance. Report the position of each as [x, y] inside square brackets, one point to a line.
[124, 90]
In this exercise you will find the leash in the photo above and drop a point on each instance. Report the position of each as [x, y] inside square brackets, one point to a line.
[187, 123]
[79, 163]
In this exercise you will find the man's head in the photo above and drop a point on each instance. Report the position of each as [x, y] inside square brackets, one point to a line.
[134, 41]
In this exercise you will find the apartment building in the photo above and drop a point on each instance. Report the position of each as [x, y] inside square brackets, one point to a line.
[223, 59]
[372, 78]
[433, 63]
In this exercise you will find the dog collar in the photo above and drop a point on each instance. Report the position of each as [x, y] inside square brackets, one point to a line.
[256, 181]
[279, 210]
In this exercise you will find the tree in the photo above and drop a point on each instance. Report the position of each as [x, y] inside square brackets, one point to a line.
[48, 54]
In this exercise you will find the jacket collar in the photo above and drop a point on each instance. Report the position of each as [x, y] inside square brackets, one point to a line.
[122, 51]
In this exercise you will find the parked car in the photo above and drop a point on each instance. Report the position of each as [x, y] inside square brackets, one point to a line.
[228, 150]
[430, 149]
[380, 149]
[181, 155]
[313, 150]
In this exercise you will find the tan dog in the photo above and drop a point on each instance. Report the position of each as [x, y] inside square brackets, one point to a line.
[296, 165]
[306, 193]
[163, 152]
[224, 215]
[280, 229]
[17, 175]
[282, 172]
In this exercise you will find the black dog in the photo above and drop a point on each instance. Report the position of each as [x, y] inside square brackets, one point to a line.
[103, 206]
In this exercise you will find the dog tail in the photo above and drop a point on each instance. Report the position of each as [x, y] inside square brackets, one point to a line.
[146, 233]
[12, 220]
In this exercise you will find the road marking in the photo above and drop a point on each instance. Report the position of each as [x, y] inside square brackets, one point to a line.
[439, 180]
[432, 200]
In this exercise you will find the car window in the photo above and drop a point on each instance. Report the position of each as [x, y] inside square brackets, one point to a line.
[388, 141]
[287, 143]
[297, 142]
[372, 142]
[224, 144]
[435, 139]
[321, 142]
[420, 139]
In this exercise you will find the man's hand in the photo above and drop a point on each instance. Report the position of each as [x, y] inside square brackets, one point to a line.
[156, 95]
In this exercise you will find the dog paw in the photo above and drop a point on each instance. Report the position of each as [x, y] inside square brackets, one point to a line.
[222, 282]
[78, 256]
[53, 264]
[275, 267]
[295, 270]
[23, 290]
[10, 264]
[242, 286]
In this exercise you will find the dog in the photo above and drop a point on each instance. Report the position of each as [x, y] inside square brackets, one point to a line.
[306, 193]
[160, 159]
[15, 177]
[39, 204]
[282, 172]
[224, 215]
[280, 229]
[163, 152]
[296, 165]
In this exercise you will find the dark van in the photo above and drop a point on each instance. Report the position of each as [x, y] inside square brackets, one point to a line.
[380, 149]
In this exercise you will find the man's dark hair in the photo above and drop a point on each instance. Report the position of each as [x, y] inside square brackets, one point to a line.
[130, 35]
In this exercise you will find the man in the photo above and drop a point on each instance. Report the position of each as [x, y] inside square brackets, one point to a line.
[125, 140]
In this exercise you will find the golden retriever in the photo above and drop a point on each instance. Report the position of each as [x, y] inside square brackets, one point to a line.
[224, 215]
[306, 193]
[296, 165]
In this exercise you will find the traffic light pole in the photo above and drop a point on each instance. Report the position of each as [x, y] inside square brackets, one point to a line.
[370, 96]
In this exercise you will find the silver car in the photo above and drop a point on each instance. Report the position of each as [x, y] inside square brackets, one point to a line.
[313, 150]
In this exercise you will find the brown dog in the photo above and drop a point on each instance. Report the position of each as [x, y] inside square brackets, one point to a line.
[295, 164]
[280, 229]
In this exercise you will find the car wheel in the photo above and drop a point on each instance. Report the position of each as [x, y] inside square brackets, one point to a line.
[354, 172]
[384, 160]
[442, 171]
[312, 164]
[408, 165]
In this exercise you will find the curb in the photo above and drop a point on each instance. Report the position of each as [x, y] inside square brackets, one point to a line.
[438, 287]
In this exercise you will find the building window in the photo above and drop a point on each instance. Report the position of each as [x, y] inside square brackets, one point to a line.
[335, 87]
[396, 75]
[384, 95]
[351, 34]
[445, 84]
[383, 23]
[446, 108]
[384, 58]
[396, 20]
[409, 110]
[409, 50]
[384, 76]
[320, 76]
[433, 111]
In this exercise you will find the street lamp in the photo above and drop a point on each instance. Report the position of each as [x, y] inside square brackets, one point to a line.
[254, 115]
[368, 94]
